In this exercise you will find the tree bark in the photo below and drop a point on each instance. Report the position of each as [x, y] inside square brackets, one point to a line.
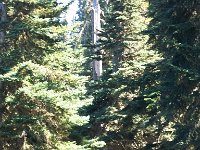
[96, 26]
[115, 61]
[3, 18]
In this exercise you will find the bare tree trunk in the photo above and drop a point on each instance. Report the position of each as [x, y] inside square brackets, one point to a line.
[97, 61]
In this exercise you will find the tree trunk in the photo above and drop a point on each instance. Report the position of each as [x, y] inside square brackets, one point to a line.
[116, 58]
[3, 18]
[115, 62]
[96, 26]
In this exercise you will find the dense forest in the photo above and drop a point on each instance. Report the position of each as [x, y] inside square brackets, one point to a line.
[124, 76]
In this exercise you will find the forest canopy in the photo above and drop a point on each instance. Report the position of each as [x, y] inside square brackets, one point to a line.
[124, 76]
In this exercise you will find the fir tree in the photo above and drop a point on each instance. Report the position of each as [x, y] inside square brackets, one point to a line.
[84, 16]
[42, 87]
[121, 34]
[32, 30]
[121, 29]
[174, 31]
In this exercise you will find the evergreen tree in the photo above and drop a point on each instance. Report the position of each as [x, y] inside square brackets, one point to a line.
[165, 115]
[40, 103]
[121, 34]
[42, 87]
[174, 31]
[84, 16]
[145, 99]
[32, 30]
[121, 30]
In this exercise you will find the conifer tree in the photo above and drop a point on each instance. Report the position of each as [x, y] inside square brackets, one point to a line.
[166, 113]
[121, 29]
[32, 30]
[42, 90]
[121, 34]
[84, 16]
[174, 31]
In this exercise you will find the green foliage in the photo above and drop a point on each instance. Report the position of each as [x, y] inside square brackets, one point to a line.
[84, 17]
[163, 113]
[146, 99]
[42, 87]
[120, 35]
[125, 100]
[33, 29]
[149, 103]
[66, 61]
[174, 33]
[43, 101]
